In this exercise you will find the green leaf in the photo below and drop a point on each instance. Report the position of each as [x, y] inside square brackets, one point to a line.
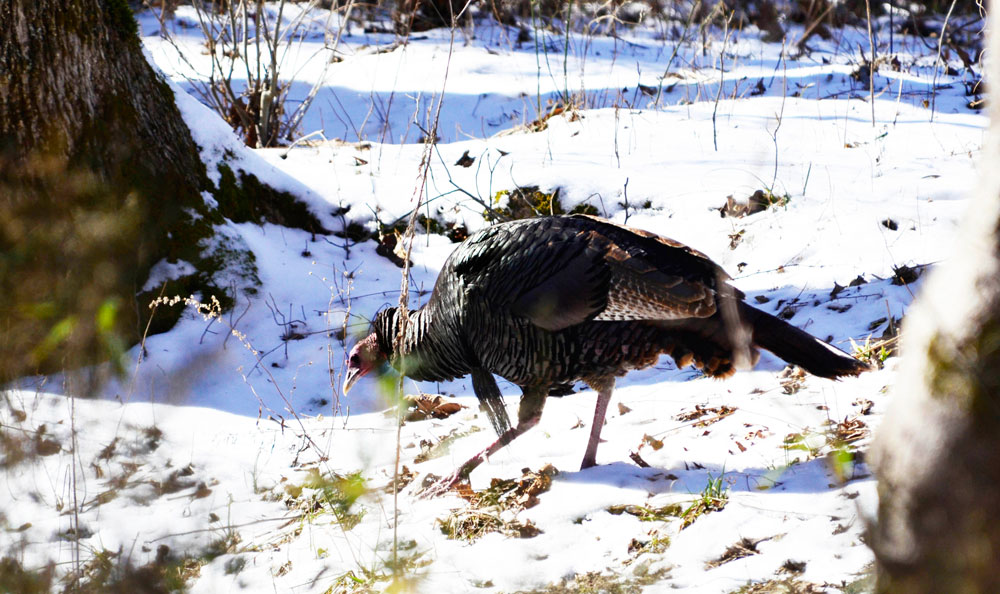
[107, 313]
[57, 335]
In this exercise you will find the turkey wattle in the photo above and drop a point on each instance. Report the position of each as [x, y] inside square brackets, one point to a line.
[548, 301]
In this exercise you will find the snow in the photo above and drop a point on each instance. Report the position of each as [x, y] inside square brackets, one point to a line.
[239, 417]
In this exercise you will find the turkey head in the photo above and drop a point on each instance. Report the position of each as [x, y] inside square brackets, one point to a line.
[365, 356]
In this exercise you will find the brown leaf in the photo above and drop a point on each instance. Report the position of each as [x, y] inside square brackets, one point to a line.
[427, 405]
[201, 491]
[654, 443]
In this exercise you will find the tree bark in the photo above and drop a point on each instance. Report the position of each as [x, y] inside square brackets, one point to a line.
[937, 454]
[99, 180]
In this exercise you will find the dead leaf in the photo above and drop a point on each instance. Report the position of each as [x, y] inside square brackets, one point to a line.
[427, 405]
[700, 411]
[654, 443]
[201, 491]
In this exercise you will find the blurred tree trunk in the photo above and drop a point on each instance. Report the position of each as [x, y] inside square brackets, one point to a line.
[937, 454]
[99, 180]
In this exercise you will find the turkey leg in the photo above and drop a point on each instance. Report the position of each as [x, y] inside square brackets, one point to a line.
[529, 412]
[604, 386]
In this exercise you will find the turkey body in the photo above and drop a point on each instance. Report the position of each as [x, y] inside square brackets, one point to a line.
[552, 300]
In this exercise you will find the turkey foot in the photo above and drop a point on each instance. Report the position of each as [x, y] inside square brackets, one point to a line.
[445, 484]
[528, 416]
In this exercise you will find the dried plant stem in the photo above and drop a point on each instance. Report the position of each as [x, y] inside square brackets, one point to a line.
[780, 116]
[722, 80]
[871, 64]
[937, 61]
[677, 47]
[76, 504]
[404, 292]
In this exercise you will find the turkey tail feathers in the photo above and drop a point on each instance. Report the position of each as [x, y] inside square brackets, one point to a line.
[799, 347]
[490, 399]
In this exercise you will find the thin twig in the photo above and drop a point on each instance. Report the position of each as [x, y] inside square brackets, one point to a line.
[425, 162]
[781, 115]
[722, 80]
[872, 63]
[937, 61]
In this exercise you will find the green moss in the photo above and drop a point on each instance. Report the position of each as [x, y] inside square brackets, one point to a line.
[431, 225]
[355, 232]
[122, 21]
[250, 200]
[584, 208]
[86, 217]
[527, 202]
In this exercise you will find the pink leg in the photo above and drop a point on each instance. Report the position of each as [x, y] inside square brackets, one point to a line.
[528, 415]
[604, 387]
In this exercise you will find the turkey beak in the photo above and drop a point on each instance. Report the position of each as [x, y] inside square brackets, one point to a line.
[361, 360]
[352, 377]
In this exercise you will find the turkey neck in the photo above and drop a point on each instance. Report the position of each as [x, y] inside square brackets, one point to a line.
[430, 351]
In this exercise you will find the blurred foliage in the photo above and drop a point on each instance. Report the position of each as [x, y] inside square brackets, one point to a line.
[100, 180]
[68, 261]
[329, 493]
[15, 578]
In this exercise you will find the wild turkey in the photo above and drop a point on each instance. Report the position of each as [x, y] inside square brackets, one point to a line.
[546, 301]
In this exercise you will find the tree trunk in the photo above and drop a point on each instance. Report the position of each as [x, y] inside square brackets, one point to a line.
[99, 180]
[937, 454]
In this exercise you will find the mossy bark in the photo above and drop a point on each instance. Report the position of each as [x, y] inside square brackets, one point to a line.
[99, 180]
[937, 454]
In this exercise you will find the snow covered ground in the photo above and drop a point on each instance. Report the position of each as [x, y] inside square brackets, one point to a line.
[238, 455]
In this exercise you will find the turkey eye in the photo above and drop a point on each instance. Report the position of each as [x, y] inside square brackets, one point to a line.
[354, 359]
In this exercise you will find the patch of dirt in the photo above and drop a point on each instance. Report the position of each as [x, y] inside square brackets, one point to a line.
[793, 567]
[782, 586]
[654, 543]
[718, 412]
[904, 275]
[757, 202]
[744, 548]
[495, 509]
[614, 583]
[390, 247]
[518, 494]
[648, 514]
